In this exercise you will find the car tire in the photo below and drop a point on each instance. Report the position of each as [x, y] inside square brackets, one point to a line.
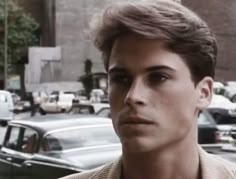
[3, 123]
[63, 110]
[42, 112]
[233, 98]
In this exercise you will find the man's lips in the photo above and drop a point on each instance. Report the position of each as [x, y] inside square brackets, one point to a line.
[132, 119]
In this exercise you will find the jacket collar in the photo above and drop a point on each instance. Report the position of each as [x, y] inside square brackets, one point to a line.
[212, 167]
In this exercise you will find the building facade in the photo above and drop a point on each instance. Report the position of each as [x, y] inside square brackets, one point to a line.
[64, 24]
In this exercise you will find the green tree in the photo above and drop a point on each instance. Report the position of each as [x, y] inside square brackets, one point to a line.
[22, 30]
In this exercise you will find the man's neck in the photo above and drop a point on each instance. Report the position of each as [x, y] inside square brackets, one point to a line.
[180, 164]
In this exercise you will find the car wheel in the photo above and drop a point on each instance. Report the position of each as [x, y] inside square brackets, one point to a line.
[233, 99]
[42, 112]
[63, 110]
[3, 123]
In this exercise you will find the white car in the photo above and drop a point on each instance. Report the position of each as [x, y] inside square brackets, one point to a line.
[221, 106]
[6, 107]
[57, 103]
[224, 113]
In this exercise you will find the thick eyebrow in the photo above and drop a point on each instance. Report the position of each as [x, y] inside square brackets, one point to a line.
[158, 68]
[148, 69]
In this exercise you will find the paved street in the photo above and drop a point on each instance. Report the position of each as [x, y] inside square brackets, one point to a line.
[22, 115]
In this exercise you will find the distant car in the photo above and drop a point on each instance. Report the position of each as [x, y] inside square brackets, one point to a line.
[230, 93]
[104, 112]
[6, 107]
[207, 129]
[88, 108]
[221, 107]
[53, 146]
[57, 104]
[218, 88]
[22, 106]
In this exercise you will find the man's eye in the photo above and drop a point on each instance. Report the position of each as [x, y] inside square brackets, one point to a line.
[120, 79]
[156, 78]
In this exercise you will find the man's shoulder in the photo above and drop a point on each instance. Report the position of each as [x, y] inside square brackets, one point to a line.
[214, 166]
[110, 170]
[231, 166]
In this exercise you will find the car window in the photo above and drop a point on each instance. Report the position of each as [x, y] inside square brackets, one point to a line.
[105, 112]
[52, 100]
[226, 120]
[3, 98]
[29, 142]
[202, 119]
[79, 138]
[82, 110]
[12, 141]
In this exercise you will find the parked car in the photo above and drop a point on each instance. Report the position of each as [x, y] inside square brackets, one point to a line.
[207, 129]
[22, 106]
[224, 114]
[57, 103]
[221, 107]
[218, 88]
[230, 93]
[53, 146]
[104, 112]
[88, 108]
[6, 107]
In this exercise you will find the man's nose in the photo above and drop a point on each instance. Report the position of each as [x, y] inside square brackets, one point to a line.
[136, 93]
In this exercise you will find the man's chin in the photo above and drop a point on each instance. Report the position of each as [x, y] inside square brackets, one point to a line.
[135, 146]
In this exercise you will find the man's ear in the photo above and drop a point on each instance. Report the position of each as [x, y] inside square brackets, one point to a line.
[205, 91]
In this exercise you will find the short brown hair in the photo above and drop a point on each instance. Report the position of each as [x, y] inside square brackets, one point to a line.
[180, 29]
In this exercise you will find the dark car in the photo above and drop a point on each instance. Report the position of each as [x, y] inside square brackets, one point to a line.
[207, 129]
[56, 145]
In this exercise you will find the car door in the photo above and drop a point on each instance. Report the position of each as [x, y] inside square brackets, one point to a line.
[51, 104]
[28, 141]
[6, 106]
[7, 151]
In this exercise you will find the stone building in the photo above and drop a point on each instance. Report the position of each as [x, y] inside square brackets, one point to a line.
[64, 23]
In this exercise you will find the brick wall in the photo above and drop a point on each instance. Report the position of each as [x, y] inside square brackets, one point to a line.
[221, 17]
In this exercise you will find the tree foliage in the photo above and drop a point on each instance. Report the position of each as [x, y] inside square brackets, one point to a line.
[22, 30]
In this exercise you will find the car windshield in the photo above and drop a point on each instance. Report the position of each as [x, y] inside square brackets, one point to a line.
[3, 98]
[202, 119]
[79, 137]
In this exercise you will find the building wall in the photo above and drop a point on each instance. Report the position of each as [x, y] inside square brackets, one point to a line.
[71, 18]
[221, 17]
[33, 7]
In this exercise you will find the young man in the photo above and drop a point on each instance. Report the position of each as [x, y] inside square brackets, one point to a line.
[160, 58]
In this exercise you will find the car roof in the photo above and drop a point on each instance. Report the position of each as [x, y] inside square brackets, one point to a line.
[5, 92]
[51, 122]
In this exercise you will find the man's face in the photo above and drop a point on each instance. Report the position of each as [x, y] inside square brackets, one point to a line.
[154, 102]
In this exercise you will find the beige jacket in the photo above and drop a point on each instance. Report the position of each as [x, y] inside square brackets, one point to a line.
[212, 167]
